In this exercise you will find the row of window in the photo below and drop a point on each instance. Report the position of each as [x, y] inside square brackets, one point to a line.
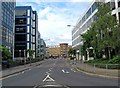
[7, 35]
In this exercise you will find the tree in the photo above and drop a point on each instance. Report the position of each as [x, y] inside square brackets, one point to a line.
[31, 52]
[103, 34]
[71, 53]
[6, 53]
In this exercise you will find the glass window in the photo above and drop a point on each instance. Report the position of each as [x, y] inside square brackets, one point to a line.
[20, 12]
[33, 23]
[88, 13]
[33, 39]
[20, 37]
[20, 21]
[94, 6]
[33, 31]
[20, 29]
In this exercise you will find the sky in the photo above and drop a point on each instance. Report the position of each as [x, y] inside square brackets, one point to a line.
[55, 15]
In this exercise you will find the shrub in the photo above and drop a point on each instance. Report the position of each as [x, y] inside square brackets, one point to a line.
[115, 60]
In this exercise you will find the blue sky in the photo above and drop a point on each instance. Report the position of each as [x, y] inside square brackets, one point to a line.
[54, 16]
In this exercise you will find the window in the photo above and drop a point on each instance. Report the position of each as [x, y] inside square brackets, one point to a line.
[20, 21]
[33, 24]
[94, 6]
[33, 31]
[88, 13]
[20, 37]
[20, 12]
[33, 39]
[20, 29]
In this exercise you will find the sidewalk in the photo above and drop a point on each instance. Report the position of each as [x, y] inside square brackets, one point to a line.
[80, 66]
[18, 69]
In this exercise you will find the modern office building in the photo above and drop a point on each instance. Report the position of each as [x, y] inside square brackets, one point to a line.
[7, 23]
[43, 49]
[86, 20]
[39, 46]
[26, 28]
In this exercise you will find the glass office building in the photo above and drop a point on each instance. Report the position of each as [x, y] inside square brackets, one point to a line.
[26, 26]
[7, 23]
[88, 18]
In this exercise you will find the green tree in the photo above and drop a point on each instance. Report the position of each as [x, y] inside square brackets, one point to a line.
[31, 52]
[71, 51]
[103, 34]
[6, 53]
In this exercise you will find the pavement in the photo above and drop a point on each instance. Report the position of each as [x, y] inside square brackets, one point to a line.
[92, 70]
[55, 72]
[18, 69]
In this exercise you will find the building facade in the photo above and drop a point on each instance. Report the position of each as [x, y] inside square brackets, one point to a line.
[59, 50]
[64, 49]
[39, 46]
[54, 51]
[7, 23]
[88, 18]
[26, 27]
[43, 49]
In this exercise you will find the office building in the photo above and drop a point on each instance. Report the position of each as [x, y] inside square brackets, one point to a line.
[7, 23]
[86, 20]
[26, 28]
[39, 46]
[43, 48]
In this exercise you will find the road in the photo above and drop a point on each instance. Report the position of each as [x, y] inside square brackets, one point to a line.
[56, 71]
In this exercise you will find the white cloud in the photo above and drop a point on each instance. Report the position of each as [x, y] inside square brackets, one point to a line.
[54, 18]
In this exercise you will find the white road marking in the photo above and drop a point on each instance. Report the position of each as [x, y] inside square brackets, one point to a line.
[9, 76]
[48, 78]
[65, 71]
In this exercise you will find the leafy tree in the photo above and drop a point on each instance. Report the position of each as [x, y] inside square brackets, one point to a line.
[6, 53]
[103, 34]
[31, 52]
[71, 51]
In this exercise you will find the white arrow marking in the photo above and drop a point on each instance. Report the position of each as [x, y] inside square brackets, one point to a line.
[65, 71]
[48, 78]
